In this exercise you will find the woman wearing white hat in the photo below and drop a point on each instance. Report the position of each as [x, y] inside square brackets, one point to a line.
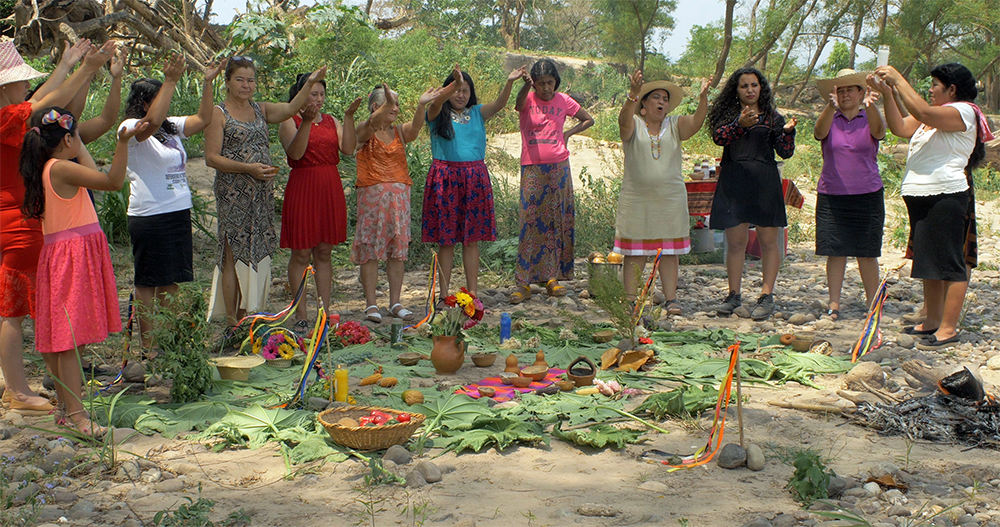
[20, 238]
[850, 205]
[652, 206]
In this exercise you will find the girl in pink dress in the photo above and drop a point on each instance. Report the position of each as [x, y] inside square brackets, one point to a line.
[76, 298]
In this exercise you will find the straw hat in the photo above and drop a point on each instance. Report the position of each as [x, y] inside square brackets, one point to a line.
[675, 91]
[844, 77]
[12, 66]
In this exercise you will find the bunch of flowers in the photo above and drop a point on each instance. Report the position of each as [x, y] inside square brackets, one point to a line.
[463, 311]
[350, 333]
[281, 345]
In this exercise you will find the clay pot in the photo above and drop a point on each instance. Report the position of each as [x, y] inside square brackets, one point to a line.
[536, 373]
[566, 386]
[508, 377]
[801, 345]
[409, 359]
[540, 359]
[486, 391]
[605, 335]
[582, 374]
[521, 382]
[484, 360]
[448, 355]
[512, 366]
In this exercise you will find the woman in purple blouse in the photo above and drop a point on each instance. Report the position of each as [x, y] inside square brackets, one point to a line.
[850, 206]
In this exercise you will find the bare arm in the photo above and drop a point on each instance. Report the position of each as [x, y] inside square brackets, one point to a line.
[346, 132]
[68, 176]
[412, 129]
[944, 118]
[157, 112]
[522, 94]
[434, 108]
[376, 121]
[196, 123]
[294, 140]
[71, 56]
[626, 125]
[64, 93]
[876, 126]
[91, 129]
[901, 126]
[491, 109]
[585, 121]
[276, 112]
[825, 120]
[688, 125]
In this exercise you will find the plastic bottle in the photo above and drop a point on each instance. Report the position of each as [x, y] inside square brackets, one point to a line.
[504, 326]
[340, 378]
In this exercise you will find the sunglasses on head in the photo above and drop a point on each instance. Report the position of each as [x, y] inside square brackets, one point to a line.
[241, 57]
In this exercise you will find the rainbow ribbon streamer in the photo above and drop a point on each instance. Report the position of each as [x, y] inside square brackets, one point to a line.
[431, 288]
[871, 336]
[640, 307]
[320, 332]
[275, 319]
[707, 452]
[103, 387]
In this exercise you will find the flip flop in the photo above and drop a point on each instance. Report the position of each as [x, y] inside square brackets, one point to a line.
[931, 342]
[912, 330]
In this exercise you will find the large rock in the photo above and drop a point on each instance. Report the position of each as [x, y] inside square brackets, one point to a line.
[134, 372]
[867, 372]
[430, 471]
[755, 457]
[397, 455]
[732, 456]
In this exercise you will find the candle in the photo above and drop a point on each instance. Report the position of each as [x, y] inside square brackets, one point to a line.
[340, 378]
[883, 56]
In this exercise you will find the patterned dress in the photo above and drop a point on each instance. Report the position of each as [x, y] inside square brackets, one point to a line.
[245, 207]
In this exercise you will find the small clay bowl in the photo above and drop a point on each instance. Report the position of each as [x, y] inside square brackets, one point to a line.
[801, 345]
[507, 377]
[603, 336]
[486, 391]
[566, 386]
[484, 360]
[409, 359]
[535, 373]
[521, 382]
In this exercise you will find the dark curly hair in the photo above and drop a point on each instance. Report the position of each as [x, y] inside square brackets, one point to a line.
[142, 92]
[442, 124]
[726, 108]
[40, 143]
[957, 75]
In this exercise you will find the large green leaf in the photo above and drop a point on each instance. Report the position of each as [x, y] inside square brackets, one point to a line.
[313, 448]
[192, 416]
[599, 436]
[255, 426]
[577, 409]
[680, 402]
[500, 432]
[452, 411]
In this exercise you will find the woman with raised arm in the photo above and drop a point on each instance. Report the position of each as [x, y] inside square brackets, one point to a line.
[745, 123]
[237, 146]
[947, 139]
[159, 205]
[314, 211]
[652, 206]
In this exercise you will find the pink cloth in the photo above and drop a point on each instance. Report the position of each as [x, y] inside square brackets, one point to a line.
[984, 133]
[541, 122]
[505, 392]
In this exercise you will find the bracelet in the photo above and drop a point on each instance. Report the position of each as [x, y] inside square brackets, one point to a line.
[631, 98]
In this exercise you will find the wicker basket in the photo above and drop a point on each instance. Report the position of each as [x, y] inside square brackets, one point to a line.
[236, 368]
[367, 437]
[279, 363]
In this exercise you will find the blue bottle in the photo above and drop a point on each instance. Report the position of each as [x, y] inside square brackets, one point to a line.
[504, 326]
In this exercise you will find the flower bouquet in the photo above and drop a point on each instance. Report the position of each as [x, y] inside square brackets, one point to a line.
[278, 348]
[463, 311]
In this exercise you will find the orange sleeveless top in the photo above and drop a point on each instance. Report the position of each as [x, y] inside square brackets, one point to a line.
[62, 214]
[383, 163]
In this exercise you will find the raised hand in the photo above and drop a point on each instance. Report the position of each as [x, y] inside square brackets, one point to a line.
[518, 73]
[118, 63]
[790, 125]
[871, 97]
[309, 112]
[124, 134]
[262, 172]
[456, 73]
[97, 57]
[72, 53]
[214, 69]
[391, 99]
[877, 84]
[834, 99]
[317, 75]
[748, 117]
[174, 67]
[635, 83]
[706, 84]
[353, 107]
[429, 95]
[889, 75]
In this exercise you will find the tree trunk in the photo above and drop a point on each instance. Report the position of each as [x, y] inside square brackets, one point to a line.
[791, 44]
[753, 27]
[727, 42]
[819, 50]
[859, 22]
[882, 20]
[775, 35]
[510, 23]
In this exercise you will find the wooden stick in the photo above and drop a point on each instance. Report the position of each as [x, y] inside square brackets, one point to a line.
[823, 408]
[739, 396]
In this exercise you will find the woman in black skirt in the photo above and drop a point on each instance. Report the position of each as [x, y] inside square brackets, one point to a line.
[850, 203]
[946, 144]
[745, 123]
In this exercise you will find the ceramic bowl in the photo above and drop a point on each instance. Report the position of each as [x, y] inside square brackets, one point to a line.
[605, 335]
[484, 360]
[507, 377]
[521, 382]
[566, 386]
[486, 391]
[535, 373]
[697, 175]
[801, 345]
[409, 359]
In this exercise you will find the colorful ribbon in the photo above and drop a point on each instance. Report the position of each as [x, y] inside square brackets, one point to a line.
[274, 319]
[870, 334]
[640, 306]
[431, 288]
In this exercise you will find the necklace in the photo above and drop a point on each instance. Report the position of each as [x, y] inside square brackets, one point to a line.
[462, 117]
[654, 142]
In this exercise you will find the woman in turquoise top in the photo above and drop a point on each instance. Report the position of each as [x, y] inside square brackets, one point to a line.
[458, 197]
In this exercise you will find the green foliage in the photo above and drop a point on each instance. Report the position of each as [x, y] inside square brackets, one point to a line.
[627, 26]
[685, 401]
[180, 331]
[485, 431]
[112, 213]
[596, 212]
[838, 59]
[196, 514]
[608, 292]
[254, 426]
[451, 412]
[811, 477]
[599, 436]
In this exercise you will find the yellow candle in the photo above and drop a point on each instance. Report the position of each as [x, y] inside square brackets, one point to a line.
[340, 376]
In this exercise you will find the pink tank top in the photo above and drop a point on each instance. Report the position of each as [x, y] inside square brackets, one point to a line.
[62, 214]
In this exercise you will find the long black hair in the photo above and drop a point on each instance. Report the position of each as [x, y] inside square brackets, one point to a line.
[726, 108]
[142, 92]
[40, 143]
[957, 75]
[545, 67]
[300, 82]
[442, 125]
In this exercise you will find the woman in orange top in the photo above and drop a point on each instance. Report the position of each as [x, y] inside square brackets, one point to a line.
[383, 189]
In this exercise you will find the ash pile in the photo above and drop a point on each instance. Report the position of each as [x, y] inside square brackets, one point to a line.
[960, 411]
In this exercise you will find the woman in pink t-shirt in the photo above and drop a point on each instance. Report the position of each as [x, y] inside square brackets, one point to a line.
[545, 245]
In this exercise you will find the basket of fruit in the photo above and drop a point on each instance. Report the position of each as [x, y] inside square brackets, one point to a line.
[369, 427]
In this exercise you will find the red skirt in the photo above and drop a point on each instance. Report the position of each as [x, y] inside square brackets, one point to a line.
[314, 210]
[21, 241]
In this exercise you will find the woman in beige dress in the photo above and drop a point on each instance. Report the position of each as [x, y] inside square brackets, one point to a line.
[652, 205]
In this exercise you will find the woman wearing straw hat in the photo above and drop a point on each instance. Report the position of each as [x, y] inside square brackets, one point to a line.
[21, 239]
[850, 205]
[652, 206]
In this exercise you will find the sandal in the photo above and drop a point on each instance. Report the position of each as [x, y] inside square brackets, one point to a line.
[673, 307]
[522, 293]
[89, 428]
[375, 316]
[554, 289]
[301, 328]
[834, 314]
[399, 311]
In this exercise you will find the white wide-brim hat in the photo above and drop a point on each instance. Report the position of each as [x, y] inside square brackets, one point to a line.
[844, 77]
[675, 91]
[12, 66]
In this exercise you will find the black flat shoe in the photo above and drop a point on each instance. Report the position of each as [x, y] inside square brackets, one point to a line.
[931, 342]
[912, 330]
